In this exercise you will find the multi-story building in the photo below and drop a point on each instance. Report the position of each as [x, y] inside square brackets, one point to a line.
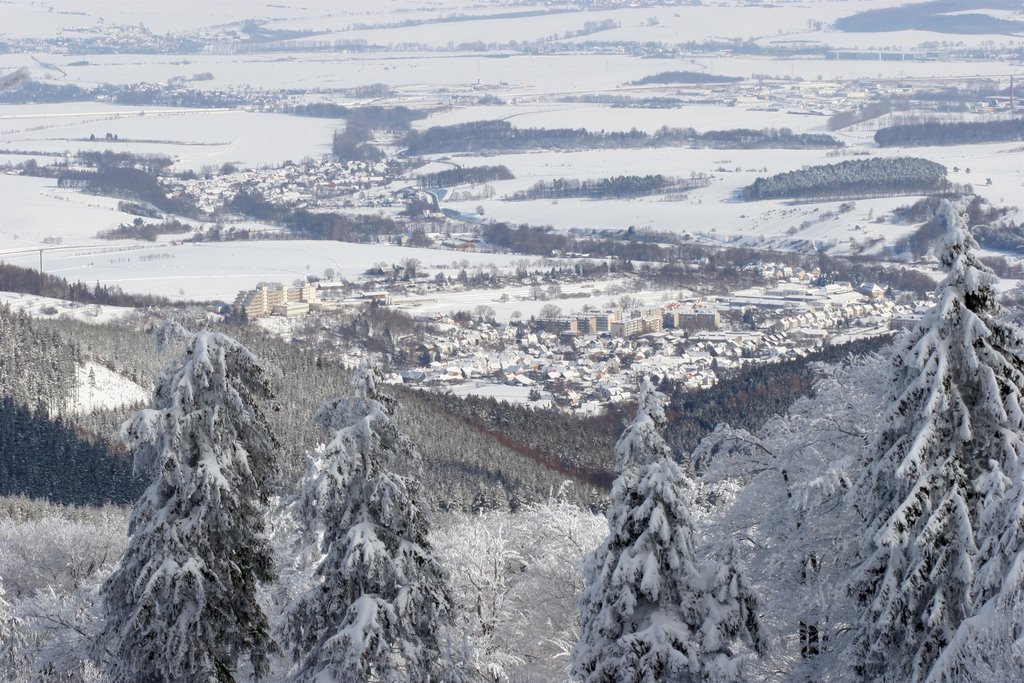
[275, 299]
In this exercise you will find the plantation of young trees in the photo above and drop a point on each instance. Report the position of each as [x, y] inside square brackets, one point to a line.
[872, 532]
[851, 179]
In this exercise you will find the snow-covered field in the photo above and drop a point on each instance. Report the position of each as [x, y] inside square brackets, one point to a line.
[713, 211]
[193, 138]
[412, 73]
[35, 209]
[501, 392]
[45, 307]
[521, 302]
[100, 389]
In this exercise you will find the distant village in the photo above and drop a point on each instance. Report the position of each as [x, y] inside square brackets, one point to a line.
[324, 184]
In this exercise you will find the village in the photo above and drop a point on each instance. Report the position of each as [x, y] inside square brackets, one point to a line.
[309, 184]
[584, 360]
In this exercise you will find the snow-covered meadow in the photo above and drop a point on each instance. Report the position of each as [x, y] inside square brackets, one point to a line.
[219, 270]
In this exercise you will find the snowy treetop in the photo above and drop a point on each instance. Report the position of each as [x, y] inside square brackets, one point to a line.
[642, 443]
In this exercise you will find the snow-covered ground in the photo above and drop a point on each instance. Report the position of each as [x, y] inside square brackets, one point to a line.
[100, 388]
[193, 138]
[45, 307]
[713, 211]
[508, 393]
[34, 210]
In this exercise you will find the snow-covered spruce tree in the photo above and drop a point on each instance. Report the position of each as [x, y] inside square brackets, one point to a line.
[650, 611]
[382, 610]
[181, 604]
[942, 491]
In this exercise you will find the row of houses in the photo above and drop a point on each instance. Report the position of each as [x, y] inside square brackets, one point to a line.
[635, 322]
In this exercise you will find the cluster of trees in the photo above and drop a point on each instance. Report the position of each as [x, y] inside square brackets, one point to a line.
[42, 454]
[1007, 237]
[915, 512]
[865, 112]
[515, 581]
[322, 226]
[652, 608]
[37, 366]
[474, 175]
[353, 143]
[624, 102]
[950, 133]
[523, 239]
[150, 163]
[692, 77]
[851, 179]
[982, 218]
[603, 188]
[126, 182]
[499, 136]
[140, 230]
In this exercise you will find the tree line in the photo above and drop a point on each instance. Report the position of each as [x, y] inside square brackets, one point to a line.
[499, 136]
[140, 230]
[603, 188]
[689, 77]
[695, 265]
[474, 175]
[950, 133]
[31, 281]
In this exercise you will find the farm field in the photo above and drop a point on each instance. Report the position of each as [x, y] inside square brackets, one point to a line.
[192, 138]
